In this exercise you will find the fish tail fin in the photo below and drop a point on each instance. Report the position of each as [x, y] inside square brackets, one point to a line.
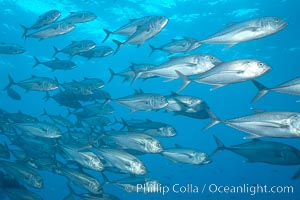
[108, 33]
[185, 79]
[105, 179]
[262, 90]
[152, 49]
[25, 30]
[47, 97]
[11, 82]
[69, 112]
[71, 193]
[296, 175]
[125, 124]
[120, 44]
[107, 100]
[214, 120]
[37, 62]
[112, 75]
[56, 51]
[137, 73]
[44, 113]
[220, 146]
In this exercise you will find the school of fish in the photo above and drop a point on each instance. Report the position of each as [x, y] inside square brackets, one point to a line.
[72, 149]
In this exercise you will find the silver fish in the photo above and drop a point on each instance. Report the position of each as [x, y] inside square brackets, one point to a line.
[85, 158]
[52, 30]
[97, 52]
[177, 46]
[98, 108]
[153, 128]
[145, 32]
[142, 101]
[129, 73]
[39, 129]
[121, 161]
[97, 121]
[247, 30]
[12, 49]
[128, 29]
[59, 120]
[289, 87]
[43, 20]
[22, 173]
[132, 141]
[187, 65]
[81, 179]
[79, 17]
[228, 73]
[56, 64]
[184, 103]
[21, 193]
[186, 155]
[34, 83]
[76, 47]
[264, 151]
[264, 124]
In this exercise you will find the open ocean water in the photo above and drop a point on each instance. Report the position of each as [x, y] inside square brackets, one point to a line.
[228, 175]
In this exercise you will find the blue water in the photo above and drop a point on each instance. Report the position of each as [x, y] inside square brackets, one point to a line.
[197, 19]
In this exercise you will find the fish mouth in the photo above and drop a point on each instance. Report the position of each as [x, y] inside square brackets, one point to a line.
[283, 25]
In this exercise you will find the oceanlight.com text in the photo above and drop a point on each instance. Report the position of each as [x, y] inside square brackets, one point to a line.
[248, 189]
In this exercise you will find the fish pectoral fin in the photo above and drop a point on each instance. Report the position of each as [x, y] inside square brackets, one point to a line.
[216, 87]
[228, 46]
[132, 110]
[169, 80]
[252, 136]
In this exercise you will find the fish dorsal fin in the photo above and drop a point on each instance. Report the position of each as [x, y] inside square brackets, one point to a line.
[132, 20]
[75, 81]
[178, 146]
[148, 120]
[174, 93]
[139, 91]
[175, 40]
[257, 110]
[230, 24]
[73, 41]
[189, 39]
[86, 78]
[56, 58]
[71, 13]
[33, 76]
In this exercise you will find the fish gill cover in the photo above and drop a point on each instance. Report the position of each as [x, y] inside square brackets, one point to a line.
[168, 99]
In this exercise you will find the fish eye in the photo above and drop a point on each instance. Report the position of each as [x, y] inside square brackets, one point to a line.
[276, 19]
[212, 58]
[261, 64]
